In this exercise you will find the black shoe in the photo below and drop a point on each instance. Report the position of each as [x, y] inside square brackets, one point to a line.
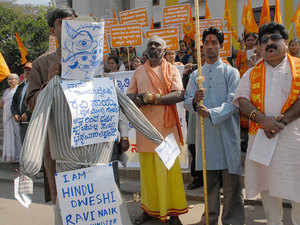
[195, 184]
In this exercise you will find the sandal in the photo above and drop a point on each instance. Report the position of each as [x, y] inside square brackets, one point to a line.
[142, 219]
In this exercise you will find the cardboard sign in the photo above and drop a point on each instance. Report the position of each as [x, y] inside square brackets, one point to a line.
[206, 23]
[94, 109]
[226, 50]
[106, 48]
[82, 49]
[176, 14]
[89, 196]
[170, 35]
[135, 16]
[108, 23]
[126, 35]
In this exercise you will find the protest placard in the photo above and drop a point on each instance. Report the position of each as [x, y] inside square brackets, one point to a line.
[170, 35]
[108, 23]
[176, 14]
[82, 49]
[214, 22]
[89, 196]
[52, 43]
[126, 35]
[106, 48]
[226, 50]
[135, 16]
[94, 109]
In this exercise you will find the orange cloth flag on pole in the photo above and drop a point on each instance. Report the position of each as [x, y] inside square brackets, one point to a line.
[116, 21]
[295, 19]
[244, 15]
[265, 13]
[22, 49]
[4, 70]
[251, 26]
[152, 23]
[277, 17]
[207, 11]
[227, 17]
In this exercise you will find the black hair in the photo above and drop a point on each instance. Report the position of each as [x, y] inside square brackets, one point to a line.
[293, 40]
[250, 35]
[271, 28]
[116, 59]
[215, 31]
[59, 14]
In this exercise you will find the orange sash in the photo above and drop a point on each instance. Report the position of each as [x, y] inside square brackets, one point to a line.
[257, 88]
[171, 117]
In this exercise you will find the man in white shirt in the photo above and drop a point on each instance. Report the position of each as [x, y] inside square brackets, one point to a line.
[269, 95]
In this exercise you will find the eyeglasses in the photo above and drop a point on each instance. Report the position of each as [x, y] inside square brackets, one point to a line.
[273, 37]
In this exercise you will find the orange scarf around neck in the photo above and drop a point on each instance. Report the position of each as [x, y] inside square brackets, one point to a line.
[257, 87]
[163, 87]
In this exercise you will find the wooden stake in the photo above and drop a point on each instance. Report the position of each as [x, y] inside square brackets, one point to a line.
[200, 80]
[128, 58]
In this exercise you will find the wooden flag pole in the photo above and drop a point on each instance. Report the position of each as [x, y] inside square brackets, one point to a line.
[128, 58]
[200, 80]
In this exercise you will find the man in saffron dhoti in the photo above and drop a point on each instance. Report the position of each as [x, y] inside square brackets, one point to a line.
[269, 95]
[156, 87]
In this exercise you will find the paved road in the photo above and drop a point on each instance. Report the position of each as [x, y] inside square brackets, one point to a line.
[12, 213]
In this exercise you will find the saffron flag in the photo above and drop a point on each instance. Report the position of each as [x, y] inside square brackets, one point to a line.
[227, 17]
[277, 17]
[22, 49]
[4, 70]
[207, 11]
[116, 21]
[244, 16]
[265, 13]
[189, 28]
[295, 19]
[152, 23]
[251, 26]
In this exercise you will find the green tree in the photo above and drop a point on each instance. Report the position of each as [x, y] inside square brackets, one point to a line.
[31, 25]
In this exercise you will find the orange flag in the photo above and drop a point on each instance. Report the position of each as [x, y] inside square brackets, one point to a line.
[152, 23]
[116, 21]
[4, 70]
[22, 49]
[277, 17]
[188, 29]
[244, 15]
[265, 13]
[251, 26]
[207, 11]
[295, 19]
[227, 16]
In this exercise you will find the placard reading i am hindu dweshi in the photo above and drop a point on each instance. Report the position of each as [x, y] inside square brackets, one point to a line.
[89, 196]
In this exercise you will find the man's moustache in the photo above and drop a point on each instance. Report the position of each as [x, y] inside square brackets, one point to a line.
[271, 46]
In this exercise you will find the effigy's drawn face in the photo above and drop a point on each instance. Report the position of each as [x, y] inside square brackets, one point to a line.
[82, 49]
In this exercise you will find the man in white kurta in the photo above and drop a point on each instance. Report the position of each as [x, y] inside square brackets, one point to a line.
[281, 178]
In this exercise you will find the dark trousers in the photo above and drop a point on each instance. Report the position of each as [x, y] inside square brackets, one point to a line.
[233, 210]
[195, 174]
[244, 139]
[114, 158]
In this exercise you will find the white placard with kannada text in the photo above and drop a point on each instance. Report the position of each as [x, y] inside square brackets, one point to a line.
[82, 49]
[95, 110]
[168, 151]
[89, 196]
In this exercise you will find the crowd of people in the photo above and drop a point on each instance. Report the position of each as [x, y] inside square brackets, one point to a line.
[247, 100]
